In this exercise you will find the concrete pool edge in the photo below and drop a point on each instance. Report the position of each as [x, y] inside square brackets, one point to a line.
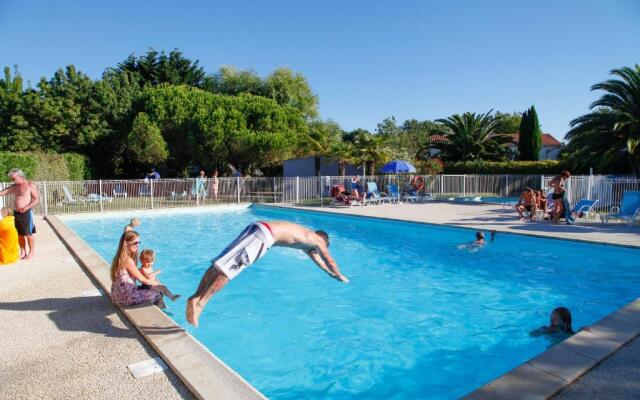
[548, 373]
[204, 374]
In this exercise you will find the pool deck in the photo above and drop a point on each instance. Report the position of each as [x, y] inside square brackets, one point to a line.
[84, 336]
[603, 363]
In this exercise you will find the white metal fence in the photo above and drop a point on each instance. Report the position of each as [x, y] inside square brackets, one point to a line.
[61, 197]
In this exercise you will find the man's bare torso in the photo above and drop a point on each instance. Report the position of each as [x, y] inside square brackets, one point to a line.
[22, 193]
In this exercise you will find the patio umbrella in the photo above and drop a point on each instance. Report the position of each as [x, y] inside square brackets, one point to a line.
[397, 167]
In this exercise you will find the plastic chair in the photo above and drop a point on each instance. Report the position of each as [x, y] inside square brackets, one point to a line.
[628, 211]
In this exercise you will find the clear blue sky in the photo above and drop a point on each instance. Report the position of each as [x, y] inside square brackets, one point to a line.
[366, 60]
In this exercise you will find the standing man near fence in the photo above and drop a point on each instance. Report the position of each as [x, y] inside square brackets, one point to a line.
[26, 197]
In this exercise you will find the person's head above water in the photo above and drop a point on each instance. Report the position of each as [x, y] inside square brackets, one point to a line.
[480, 236]
[323, 235]
[561, 319]
[134, 222]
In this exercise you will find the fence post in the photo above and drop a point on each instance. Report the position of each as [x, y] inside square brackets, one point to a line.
[506, 186]
[441, 184]
[590, 187]
[321, 191]
[464, 185]
[151, 193]
[100, 191]
[297, 189]
[46, 205]
[238, 186]
[542, 182]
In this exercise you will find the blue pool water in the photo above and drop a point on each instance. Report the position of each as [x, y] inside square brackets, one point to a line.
[420, 318]
[488, 199]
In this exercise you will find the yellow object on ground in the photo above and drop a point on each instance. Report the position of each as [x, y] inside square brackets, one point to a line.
[9, 249]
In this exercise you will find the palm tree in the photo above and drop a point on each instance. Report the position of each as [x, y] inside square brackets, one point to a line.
[472, 137]
[609, 135]
[344, 152]
[319, 141]
[371, 150]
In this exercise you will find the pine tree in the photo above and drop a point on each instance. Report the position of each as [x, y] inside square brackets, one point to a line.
[530, 141]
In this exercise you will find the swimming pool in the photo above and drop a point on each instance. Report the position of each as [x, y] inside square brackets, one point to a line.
[487, 199]
[420, 318]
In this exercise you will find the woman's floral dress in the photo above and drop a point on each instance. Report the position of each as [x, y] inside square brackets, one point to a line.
[124, 291]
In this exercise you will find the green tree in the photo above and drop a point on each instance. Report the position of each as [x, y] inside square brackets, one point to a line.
[145, 142]
[16, 132]
[508, 123]
[344, 152]
[155, 68]
[472, 137]
[320, 140]
[530, 143]
[231, 81]
[291, 89]
[371, 150]
[608, 136]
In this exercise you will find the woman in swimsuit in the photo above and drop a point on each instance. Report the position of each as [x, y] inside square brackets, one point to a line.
[124, 273]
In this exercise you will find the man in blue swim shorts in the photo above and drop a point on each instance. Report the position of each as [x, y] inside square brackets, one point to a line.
[253, 243]
[26, 197]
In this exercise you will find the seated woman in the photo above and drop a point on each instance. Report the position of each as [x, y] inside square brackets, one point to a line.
[124, 273]
[9, 248]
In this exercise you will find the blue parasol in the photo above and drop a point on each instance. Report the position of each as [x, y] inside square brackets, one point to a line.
[397, 167]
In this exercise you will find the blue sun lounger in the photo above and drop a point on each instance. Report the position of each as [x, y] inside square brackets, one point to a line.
[629, 209]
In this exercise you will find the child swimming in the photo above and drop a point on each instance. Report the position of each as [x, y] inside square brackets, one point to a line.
[559, 324]
[478, 243]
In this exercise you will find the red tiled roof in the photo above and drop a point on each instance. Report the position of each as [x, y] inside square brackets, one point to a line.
[547, 139]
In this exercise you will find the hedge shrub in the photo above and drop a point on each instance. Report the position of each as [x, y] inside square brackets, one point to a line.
[547, 167]
[45, 166]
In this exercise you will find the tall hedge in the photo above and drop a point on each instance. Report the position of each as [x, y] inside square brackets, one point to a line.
[546, 167]
[45, 166]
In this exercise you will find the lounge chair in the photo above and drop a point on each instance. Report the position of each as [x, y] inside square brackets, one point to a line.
[178, 196]
[341, 199]
[71, 199]
[118, 191]
[629, 209]
[373, 195]
[411, 194]
[584, 208]
[145, 191]
[394, 194]
[96, 198]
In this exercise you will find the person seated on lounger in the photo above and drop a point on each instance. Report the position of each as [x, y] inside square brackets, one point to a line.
[541, 200]
[527, 203]
[253, 243]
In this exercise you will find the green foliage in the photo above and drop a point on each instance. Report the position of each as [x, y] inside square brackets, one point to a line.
[508, 123]
[201, 128]
[471, 137]
[155, 68]
[230, 81]
[530, 141]
[504, 167]
[288, 88]
[606, 138]
[146, 142]
[45, 166]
